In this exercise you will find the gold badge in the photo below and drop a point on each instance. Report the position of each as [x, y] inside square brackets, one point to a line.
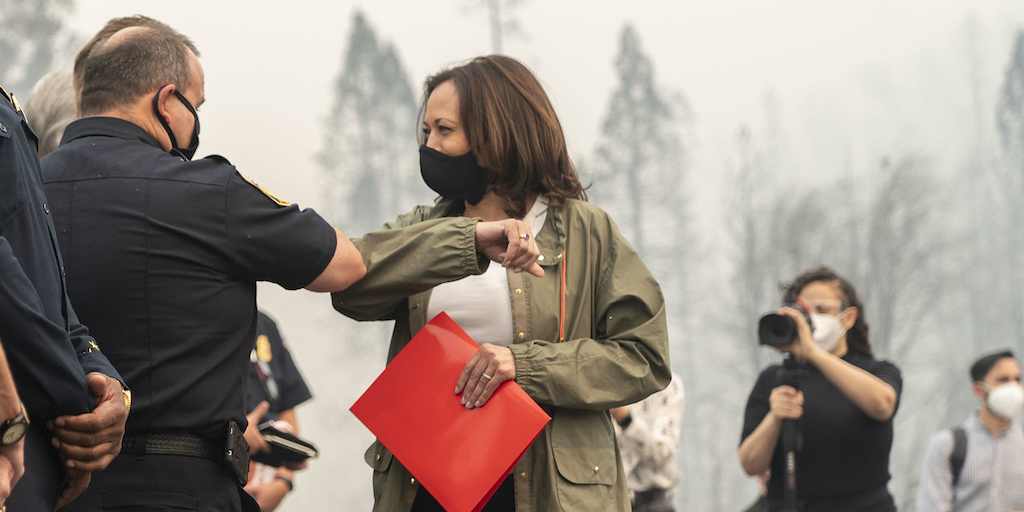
[266, 192]
[263, 348]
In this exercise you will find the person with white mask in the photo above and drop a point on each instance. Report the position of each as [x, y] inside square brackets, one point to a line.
[843, 405]
[979, 466]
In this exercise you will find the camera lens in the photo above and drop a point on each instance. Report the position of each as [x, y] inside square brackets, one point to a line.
[776, 330]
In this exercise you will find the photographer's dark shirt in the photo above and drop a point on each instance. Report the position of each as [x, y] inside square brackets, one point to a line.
[162, 258]
[844, 457]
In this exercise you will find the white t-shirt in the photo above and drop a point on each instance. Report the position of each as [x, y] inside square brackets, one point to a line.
[480, 304]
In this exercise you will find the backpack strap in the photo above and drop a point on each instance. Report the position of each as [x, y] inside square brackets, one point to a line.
[959, 453]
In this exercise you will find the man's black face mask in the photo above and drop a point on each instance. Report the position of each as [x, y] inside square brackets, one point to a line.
[190, 151]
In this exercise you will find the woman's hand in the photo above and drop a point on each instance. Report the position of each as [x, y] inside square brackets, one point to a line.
[786, 403]
[484, 372]
[803, 346]
[509, 242]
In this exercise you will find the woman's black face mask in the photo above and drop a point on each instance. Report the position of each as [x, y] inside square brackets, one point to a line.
[190, 151]
[454, 177]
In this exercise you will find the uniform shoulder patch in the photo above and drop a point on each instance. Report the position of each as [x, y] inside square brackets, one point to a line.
[265, 192]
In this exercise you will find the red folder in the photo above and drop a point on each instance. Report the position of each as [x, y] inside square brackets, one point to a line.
[460, 456]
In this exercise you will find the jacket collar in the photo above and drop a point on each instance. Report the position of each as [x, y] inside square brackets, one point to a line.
[107, 127]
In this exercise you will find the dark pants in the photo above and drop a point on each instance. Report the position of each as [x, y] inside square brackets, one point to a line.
[503, 500]
[38, 487]
[158, 483]
[654, 500]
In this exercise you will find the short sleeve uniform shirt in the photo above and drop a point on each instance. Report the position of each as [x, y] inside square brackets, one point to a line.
[163, 256]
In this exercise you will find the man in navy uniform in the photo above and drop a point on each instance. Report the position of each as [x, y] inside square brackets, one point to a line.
[69, 389]
[163, 254]
[275, 388]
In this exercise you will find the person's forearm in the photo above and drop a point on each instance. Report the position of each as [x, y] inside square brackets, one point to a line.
[869, 393]
[756, 450]
[289, 417]
[10, 404]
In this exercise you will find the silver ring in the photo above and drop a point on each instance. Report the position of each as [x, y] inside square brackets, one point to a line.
[484, 375]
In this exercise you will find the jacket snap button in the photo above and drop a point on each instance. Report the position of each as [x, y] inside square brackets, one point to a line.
[378, 457]
[522, 335]
[412, 481]
[596, 469]
[540, 258]
[519, 290]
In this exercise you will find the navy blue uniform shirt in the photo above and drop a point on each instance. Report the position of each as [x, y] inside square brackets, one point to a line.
[163, 256]
[48, 350]
[273, 377]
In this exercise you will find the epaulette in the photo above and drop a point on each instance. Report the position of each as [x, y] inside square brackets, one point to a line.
[10, 99]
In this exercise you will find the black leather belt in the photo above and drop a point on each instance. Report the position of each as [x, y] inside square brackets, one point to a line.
[171, 443]
[231, 451]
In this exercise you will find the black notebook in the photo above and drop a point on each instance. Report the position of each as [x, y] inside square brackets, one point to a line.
[284, 447]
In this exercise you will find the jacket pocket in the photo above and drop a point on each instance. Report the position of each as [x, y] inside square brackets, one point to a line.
[586, 477]
[583, 448]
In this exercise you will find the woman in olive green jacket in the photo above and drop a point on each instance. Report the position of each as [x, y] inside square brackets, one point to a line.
[608, 348]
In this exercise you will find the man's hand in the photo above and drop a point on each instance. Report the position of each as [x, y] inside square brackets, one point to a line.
[89, 442]
[620, 413]
[268, 495]
[75, 483]
[252, 430]
[12, 466]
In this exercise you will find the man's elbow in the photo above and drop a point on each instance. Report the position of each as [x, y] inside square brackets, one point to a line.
[340, 274]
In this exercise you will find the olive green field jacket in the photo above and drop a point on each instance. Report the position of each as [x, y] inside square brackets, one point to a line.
[615, 350]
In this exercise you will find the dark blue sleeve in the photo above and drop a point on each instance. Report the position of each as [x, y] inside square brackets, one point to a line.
[50, 379]
[271, 240]
[89, 355]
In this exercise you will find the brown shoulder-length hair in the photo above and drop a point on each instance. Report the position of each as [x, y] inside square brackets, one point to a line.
[512, 131]
[857, 337]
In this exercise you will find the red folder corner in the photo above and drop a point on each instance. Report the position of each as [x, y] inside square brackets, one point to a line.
[460, 456]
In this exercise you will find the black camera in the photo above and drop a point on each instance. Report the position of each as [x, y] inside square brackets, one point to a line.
[777, 330]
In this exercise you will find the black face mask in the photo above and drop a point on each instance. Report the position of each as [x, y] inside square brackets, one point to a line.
[454, 177]
[190, 151]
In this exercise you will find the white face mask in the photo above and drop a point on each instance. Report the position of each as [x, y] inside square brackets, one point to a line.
[1005, 400]
[828, 330]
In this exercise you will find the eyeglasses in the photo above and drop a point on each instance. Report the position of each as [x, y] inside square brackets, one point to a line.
[826, 307]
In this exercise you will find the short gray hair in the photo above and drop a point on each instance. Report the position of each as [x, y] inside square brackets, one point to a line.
[50, 107]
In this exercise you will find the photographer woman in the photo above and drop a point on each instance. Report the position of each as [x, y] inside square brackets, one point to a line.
[572, 314]
[844, 407]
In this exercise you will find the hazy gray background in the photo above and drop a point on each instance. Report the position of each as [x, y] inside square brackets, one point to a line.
[864, 135]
